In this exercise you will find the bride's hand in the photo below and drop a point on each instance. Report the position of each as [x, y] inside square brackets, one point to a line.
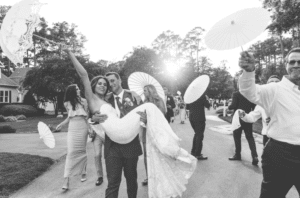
[143, 116]
[99, 118]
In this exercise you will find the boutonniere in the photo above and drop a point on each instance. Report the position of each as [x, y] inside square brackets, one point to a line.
[128, 102]
[169, 99]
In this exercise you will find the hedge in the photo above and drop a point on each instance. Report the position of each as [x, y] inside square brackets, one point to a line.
[7, 129]
[12, 110]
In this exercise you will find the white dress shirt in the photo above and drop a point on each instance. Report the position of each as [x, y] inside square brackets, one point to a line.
[281, 100]
[254, 115]
[120, 99]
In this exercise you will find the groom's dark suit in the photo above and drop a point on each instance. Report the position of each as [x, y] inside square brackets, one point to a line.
[122, 156]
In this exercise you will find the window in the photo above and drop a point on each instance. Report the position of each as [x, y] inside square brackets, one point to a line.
[4, 96]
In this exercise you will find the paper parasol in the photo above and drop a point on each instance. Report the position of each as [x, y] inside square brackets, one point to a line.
[138, 80]
[17, 29]
[46, 135]
[237, 29]
[196, 89]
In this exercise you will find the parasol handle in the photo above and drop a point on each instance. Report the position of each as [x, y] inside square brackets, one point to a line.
[47, 39]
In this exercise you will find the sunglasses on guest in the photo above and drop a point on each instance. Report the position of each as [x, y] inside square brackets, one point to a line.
[292, 62]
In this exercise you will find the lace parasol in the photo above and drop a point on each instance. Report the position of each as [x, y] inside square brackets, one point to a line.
[17, 29]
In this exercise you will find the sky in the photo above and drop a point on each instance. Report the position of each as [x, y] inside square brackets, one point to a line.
[114, 27]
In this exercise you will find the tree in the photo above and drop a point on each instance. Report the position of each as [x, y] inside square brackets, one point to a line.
[221, 82]
[141, 60]
[190, 45]
[49, 81]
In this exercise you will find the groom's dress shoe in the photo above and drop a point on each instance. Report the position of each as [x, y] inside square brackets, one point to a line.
[235, 157]
[202, 157]
[255, 161]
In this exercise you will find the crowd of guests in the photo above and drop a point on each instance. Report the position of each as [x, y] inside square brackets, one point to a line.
[277, 103]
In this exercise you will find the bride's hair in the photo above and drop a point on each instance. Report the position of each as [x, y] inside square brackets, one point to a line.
[153, 95]
[72, 97]
[95, 80]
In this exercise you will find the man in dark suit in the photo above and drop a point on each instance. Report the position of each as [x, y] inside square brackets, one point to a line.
[120, 157]
[240, 102]
[170, 104]
[197, 120]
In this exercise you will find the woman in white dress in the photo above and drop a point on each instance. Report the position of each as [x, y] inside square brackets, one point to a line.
[152, 96]
[169, 166]
[99, 86]
[76, 160]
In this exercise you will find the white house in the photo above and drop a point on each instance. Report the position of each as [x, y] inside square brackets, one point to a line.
[8, 90]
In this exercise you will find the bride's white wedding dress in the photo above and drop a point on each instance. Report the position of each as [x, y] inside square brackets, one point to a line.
[169, 166]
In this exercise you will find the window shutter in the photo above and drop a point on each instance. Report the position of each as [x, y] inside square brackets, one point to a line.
[9, 99]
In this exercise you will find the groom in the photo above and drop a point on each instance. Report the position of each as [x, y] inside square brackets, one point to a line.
[120, 157]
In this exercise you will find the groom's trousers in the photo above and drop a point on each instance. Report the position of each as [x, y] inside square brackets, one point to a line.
[114, 167]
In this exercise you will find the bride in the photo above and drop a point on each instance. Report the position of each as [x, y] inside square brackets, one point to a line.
[169, 166]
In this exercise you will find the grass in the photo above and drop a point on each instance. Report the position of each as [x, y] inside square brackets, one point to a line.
[17, 170]
[257, 126]
[30, 124]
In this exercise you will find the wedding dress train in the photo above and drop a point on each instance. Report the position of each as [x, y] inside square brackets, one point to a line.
[169, 166]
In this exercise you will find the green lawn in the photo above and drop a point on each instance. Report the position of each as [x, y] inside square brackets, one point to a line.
[257, 126]
[30, 124]
[17, 170]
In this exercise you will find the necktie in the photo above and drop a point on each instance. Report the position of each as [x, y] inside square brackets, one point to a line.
[120, 106]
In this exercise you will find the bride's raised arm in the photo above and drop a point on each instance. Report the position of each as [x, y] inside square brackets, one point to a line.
[94, 102]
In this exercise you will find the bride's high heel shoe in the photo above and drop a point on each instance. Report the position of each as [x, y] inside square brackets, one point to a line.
[65, 186]
[83, 177]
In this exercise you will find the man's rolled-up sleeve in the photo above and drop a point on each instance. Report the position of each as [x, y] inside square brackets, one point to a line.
[262, 95]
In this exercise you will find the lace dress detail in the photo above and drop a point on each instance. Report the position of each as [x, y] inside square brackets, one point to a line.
[17, 28]
[169, 166]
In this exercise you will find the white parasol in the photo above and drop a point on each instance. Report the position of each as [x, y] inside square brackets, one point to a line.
[17, 29]
[196, 89]
[237, 29]
[138, 80]
[46, 135]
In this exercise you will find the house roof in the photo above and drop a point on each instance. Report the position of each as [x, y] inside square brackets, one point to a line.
[7, 82]
[19, 74]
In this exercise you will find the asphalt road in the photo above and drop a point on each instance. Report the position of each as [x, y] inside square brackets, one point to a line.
[216, 177]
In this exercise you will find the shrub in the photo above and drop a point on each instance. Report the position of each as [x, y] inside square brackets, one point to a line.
[21, 117]
[40, 111]
[7, 129]
[2, 118]
[220, 111]
[10, 119]
[26, 110]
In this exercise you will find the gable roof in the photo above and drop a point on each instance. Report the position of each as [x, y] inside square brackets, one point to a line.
[7, 82]
[19, 74]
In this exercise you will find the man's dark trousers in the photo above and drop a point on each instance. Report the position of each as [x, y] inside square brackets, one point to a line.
[281, 169]
[114, 167]
[199, 128]
[237, 135]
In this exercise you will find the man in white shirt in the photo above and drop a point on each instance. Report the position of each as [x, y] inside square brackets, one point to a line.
[281, 156]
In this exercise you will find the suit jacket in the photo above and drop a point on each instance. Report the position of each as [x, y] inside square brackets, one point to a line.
[133, 148]
[196, 108]
[170, 101]
[240, 102]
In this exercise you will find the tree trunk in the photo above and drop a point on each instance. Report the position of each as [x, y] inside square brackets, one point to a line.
[281, 47]
[34, 58]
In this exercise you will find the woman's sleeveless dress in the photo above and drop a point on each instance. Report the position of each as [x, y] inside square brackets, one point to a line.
[76, 160]
[169, 166]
